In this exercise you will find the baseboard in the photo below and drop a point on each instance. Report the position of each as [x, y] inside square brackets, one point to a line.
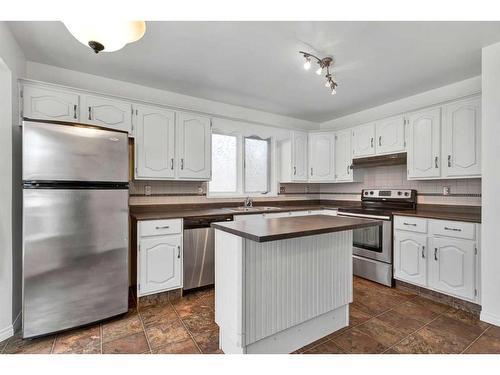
[490, 318]
[8, 331]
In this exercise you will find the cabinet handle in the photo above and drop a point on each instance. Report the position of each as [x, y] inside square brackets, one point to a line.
[294, 171]
[453, 229]
[163, 227]
[436, 162]
[172, 163]
[74, 110]
[435, 253]
[380, 140]
[348, 169]
[178, 252]
[423, 252]
[371, 143]
[90, 113]
[182, 163]
[411, 224]
[449, 160]
[311, 171]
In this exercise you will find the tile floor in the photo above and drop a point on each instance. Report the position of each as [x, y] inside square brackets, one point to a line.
[382, 320]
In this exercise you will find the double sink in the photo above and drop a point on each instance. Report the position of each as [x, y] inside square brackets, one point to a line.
[253, 209]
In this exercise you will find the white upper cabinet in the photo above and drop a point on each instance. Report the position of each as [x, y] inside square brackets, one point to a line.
[390, 135]
[410, 253]
[50, 104]
[106, 112]
[462, 138]
[363, 140]
[424, 129]
[343, 156]
[154, 143]
[193, 146]
[299, 156]
[321, 157]
[452, 267]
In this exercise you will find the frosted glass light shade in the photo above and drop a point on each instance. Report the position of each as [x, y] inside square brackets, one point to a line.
[113, 35]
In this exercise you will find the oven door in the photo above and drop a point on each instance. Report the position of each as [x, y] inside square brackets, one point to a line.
[372, 242]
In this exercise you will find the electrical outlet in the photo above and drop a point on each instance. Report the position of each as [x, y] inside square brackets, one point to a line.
[446, 190]
[147, 189]
[200, 190]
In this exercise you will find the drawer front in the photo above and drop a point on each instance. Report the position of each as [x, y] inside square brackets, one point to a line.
[412, 224]
[158, 227]
[456, 229]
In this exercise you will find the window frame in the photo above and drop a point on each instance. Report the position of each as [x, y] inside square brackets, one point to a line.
[240, 167]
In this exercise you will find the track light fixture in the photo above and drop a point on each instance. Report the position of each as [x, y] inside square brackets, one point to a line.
[324, 64]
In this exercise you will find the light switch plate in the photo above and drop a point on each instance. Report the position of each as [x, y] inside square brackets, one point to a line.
[147, 189]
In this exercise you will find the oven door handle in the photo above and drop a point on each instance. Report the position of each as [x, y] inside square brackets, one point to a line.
[363, 216]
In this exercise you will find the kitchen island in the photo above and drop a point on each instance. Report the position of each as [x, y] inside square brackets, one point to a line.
[282, 283]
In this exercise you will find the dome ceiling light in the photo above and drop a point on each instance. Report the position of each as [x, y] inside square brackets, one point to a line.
[107, 36]
[324, 65]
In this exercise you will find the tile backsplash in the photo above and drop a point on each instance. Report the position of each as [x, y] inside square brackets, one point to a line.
[462, 191]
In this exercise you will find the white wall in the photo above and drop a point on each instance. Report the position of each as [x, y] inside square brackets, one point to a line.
[52, 74]
[490, 234]
[449, 92]
[12, 65]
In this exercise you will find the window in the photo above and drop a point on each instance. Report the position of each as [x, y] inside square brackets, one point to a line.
[256, 165]
[224, 164]
[241, 166]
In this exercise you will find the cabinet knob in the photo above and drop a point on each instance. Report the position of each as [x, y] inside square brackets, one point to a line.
[172, 163]
[435, 253]
[178, 252]
[294, 171]
[74, 111]
[423, 252]
[90, 113]
[436, 162]
[371, 143]
[449, 161]
[380, 140]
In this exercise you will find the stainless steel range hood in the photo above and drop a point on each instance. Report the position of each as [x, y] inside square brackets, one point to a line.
[380, 160]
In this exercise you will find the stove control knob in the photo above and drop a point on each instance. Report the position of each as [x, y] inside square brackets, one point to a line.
[406, 194]
[366, 193]
[371, 192]
[399, 193]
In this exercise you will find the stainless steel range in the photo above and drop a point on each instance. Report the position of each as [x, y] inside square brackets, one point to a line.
[372, 247]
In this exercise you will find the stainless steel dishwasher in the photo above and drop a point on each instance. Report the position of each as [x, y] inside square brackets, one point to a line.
[199, 250]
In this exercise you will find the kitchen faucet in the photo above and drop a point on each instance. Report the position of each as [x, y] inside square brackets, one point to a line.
[248, 202]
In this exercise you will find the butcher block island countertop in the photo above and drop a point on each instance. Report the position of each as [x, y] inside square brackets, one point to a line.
[282, 283]
[291, 227]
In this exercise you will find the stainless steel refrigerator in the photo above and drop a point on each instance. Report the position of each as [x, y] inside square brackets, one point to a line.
[75, 226]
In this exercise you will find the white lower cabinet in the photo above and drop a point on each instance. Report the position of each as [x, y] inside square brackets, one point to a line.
[439, 259]
[410, 253]
[159, 256]
[452, 267]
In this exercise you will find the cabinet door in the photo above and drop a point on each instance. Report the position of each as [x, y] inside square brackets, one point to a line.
[160, 264]
[363, 140]
[424, 144]
[321, 157]
[410, 252]
[193, 146]
[462, 138]
[42, 103]
[105, 112]
[452, 267]
[343, 156]
[299, 156]
[390, 135]
[154, 143]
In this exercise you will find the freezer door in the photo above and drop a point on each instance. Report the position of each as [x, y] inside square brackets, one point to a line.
[54, 152]
[75, 260]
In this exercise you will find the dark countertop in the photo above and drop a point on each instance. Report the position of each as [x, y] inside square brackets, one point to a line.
[156, 212]
[171, 211]
[470, 214]
[291, 227]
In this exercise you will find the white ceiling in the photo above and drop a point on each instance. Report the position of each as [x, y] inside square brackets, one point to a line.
[257, 65]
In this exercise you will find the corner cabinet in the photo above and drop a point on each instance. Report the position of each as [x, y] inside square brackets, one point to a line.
[439, 255]
[193, 146]
[154, 143]
[424, 144]
[462, 138]
[49, 104]
[159, 256]
[321, 157]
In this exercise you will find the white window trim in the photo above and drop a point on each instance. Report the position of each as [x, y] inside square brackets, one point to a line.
[273, 186]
